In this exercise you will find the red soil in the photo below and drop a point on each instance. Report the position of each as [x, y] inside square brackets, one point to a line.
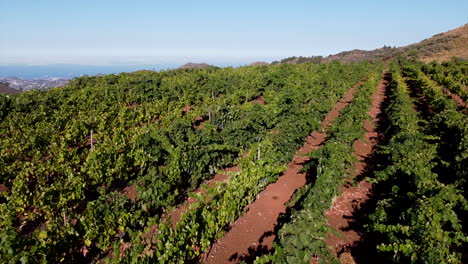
[200, 122]
[339, 216]
[187, 108]
[200, 118]
[4, 188]
[455, 97]
[131, 106]
[255, 229]
[88, 141]
[259, 100]
[274, 131]
[131, 192]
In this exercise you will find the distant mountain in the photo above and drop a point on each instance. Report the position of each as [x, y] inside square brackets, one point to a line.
[258, 63]
[299, 60]
[440, 47]
[5, 89]
[26, 85]
[192, 65]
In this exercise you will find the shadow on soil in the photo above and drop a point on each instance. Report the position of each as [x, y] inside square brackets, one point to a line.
[310, 168]
[365, 250]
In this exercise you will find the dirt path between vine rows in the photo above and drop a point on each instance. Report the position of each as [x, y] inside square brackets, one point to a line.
[455, 97]
[340, 216]
[253, 232]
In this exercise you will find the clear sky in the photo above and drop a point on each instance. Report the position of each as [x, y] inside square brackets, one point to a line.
[145, 31]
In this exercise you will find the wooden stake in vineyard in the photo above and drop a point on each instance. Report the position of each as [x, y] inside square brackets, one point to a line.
[91, 139]
[258, 152]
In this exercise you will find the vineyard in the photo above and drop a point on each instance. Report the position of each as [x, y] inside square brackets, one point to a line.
[181, 166]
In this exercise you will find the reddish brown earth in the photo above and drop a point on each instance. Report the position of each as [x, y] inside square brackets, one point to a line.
[339, 216]
[89, 141]
[259, 100]
[4, 188]
[455, 97]
[131, 192]
[187, 108]
[200, 122]
[131, 106]
[254, 231]
[274, 132]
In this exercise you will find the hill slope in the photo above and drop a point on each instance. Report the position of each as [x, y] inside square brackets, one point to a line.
[440, 47]
[192, 65]
[5, 89]
[443, 46]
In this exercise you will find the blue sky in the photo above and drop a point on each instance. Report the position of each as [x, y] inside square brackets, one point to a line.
[132, 32]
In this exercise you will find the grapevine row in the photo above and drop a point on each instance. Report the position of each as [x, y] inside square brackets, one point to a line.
[207, 218]
[303, 237]
[418, 215]
[451, 75]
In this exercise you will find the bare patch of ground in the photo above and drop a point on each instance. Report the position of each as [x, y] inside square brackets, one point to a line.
[131, 192]
[259, 100]
[187, 108]
[4, 188]
[455, 97]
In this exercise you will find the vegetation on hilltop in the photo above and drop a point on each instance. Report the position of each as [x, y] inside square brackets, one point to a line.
[192, 65]
[441, 47]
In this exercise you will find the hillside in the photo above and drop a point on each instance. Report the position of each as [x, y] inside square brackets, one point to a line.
[192, 65]
[440, 47]
[258, 63]
[443, 46]
[5, 89]
[362, 55]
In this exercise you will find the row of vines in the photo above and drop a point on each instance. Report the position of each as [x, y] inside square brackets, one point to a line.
[421, 209]
[420, 183]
